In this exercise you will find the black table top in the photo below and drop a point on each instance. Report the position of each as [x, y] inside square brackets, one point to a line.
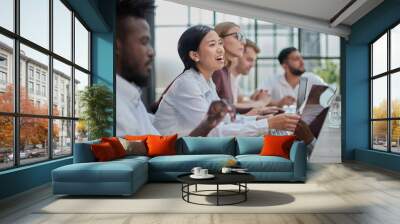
[220, 178]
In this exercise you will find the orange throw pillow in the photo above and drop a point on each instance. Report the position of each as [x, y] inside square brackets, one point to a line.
[103, 152]
[161, 145]
[277, 145]
[116, 145]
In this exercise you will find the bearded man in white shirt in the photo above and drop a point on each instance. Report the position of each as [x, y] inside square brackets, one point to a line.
[284, 88]
[134, 56]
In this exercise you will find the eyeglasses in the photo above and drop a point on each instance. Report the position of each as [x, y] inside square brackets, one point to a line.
[239, 36]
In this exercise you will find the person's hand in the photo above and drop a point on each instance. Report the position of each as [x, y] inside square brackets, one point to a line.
[261, 111]
[287, 100]
[269, 110]
[261, 95]
[285, 122]
[252, 112]
[217, 112]
[264, 117]
[254, 95]
[264, 97]
[304, 133]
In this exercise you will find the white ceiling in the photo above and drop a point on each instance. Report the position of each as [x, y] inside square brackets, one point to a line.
[320, 9]
[313, 15]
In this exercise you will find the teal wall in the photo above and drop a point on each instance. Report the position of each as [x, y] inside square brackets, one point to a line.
[99, 15]
[103, 56]
[356, 85]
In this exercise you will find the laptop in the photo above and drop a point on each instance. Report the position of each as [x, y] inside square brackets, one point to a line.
[315, 108]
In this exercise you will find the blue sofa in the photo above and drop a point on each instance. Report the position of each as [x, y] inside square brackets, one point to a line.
[125, 176]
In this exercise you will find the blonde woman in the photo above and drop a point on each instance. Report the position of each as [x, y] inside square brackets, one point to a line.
[234, 42]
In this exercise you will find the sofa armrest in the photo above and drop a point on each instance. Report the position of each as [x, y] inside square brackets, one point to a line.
[299, 158]
[83, 152]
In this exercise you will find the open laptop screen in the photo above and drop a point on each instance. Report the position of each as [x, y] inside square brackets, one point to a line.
[314, 111]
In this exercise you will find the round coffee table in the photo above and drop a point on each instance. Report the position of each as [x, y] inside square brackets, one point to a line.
[238, 179]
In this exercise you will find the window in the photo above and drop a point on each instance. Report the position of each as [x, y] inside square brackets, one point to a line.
[7, 14]
[6, 142]
[164, 9]
[201, 16]
[385, 97]
[38, 89]
[395, 47]
[3, 72]
[30, 87]
[45, 131]
[62, 137]
[3, 78]
[55, 101]
[3, 81]
[6, 85]
[81, 45]
[30, 72]
[38, 74]
[44, 91]
[81, 81]
[62, 75]
[321, 52]
[62, 30]
[3, 61]
[34, 24]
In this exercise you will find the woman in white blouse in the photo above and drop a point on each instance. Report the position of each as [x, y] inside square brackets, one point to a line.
[186, 101]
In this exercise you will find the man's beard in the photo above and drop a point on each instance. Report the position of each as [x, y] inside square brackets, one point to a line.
[295, 71]
[131, 74]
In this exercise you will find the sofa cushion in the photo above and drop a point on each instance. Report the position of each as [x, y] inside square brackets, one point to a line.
[185, 163]
[111, 171]
[131, 158]
[257, 163]
[206, 145]
[249, 145]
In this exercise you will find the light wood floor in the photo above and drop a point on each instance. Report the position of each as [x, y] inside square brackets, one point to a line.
[378, 188]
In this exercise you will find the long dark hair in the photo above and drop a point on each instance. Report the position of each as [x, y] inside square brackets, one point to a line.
[189, 41]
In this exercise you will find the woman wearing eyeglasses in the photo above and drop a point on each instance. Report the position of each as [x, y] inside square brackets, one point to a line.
[234, 42]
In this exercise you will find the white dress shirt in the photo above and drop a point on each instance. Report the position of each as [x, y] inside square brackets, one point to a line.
[235, 80]
[186, 103]
[278, 86]
[132, 116]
